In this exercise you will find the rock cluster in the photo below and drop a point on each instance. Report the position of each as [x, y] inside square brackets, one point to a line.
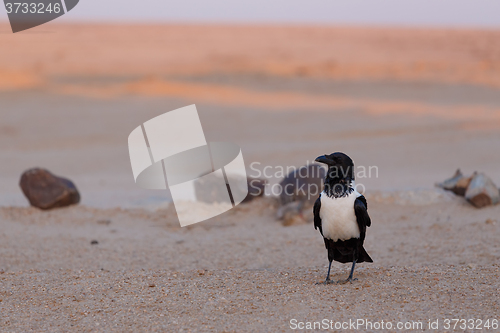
[477, 189]
[299, 190]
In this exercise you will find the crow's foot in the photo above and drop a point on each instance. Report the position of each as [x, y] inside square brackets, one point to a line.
[345, 281]
[326, 282]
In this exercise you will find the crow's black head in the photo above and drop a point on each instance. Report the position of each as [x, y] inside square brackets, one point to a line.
[339, 165]
[340, 173]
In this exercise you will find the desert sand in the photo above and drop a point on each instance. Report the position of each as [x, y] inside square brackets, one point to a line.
[242, 271]
[415, 103]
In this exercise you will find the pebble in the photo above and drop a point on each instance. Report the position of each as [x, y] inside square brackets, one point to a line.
[490, 221]
[47, 191]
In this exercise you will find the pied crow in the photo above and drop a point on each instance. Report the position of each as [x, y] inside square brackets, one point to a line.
[340, 214]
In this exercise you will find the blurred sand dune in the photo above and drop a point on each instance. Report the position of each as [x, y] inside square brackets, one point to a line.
[219, 94]
[154, 60]
[448, 56]
[14, 80]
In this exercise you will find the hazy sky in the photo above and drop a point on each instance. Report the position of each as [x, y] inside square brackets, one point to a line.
[480, 13]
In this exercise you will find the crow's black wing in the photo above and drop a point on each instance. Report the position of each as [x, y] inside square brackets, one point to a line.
[317, 219]
[363, 200]
[362, 217]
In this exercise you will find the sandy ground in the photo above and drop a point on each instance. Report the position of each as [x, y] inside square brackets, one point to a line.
[416, 104]
[242, 271]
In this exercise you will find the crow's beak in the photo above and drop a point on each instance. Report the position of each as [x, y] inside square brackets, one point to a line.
[325, 159]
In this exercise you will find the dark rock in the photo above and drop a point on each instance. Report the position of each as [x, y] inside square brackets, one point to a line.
[457, 184]
[256, 187]
[46, 191]
[482, 191]
[299, 190]
[303, 184]
[94, 242]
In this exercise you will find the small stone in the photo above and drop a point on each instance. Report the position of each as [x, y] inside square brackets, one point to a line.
[482, 191]
[490, 221]
[303, 185]
[47, 191]
[94, 242]
[104, 222]
[152, 285]
[458, 183]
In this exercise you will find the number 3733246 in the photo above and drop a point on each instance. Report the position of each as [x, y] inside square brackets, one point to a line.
[32, 8]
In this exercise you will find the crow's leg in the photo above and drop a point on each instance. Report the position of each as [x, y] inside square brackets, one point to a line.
[328, 274]
[327, 281]
[349, 279]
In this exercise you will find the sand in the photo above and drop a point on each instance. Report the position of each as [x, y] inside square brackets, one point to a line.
[448, 56]
[415, 104]
[242, 271]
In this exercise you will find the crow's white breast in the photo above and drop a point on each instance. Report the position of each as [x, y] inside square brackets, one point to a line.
[337, 217]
